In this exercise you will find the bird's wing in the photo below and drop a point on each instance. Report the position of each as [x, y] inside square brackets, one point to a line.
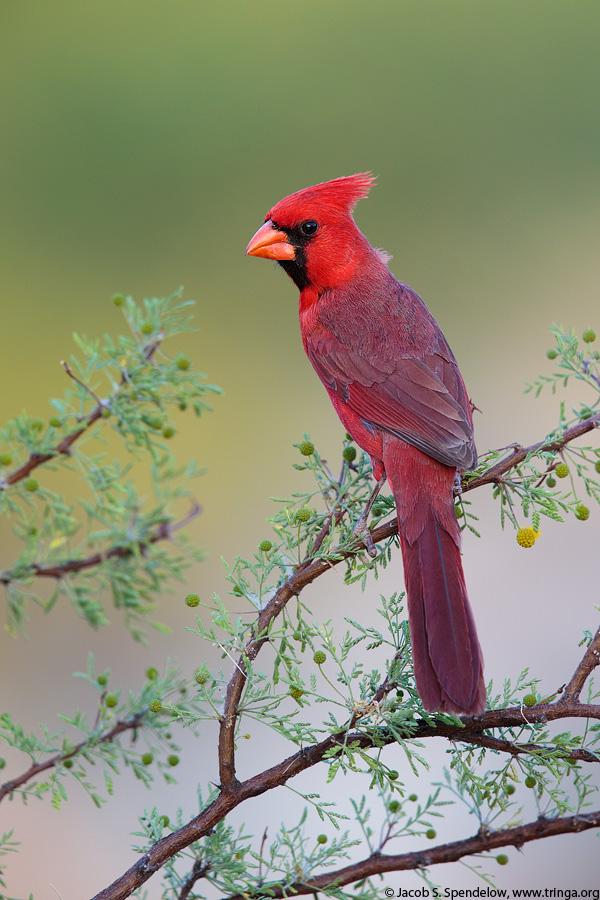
[406, 397]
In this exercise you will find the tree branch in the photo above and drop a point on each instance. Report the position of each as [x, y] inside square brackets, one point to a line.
[380, 864]
[59, 570]
[36, 768]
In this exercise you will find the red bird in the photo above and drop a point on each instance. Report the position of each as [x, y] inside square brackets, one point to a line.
[397, 388]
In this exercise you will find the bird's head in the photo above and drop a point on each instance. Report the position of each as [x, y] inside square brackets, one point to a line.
[312, 234]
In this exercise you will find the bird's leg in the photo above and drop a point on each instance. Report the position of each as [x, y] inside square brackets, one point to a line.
[361, 529]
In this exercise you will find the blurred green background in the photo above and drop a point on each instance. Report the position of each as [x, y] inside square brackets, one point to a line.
[141, 145]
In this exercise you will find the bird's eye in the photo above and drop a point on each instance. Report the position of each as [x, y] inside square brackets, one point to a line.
[309, 228]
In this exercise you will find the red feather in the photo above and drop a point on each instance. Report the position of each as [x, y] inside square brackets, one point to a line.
[398, 391]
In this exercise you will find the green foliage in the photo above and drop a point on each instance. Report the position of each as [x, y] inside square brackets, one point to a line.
[109, 541]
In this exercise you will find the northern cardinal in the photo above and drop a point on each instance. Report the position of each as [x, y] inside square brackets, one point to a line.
[398, 391]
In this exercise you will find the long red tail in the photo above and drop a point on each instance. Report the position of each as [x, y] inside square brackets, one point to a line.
[446, 654]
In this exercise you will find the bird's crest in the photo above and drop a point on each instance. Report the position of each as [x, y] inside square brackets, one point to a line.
[340, 195]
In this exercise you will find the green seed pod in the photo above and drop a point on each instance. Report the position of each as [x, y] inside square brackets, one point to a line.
[31, 485]
[431, 833]
[550, 481]
[155, 706]
[306, 448]
[152, 673]
[394, 806]
[192, 600]
[265, 546]
[509, 789]
[102, 680]
[168, 431]
[562, 470]
[393, 775]
[349, 454]
[589, 336]
[551, 354]
[321, 839]
[147, 758]
[147, 328]
[182, 363]
[5, 459]
[582, 512]
[68, 763]
[111, 700]
[529, 700]
[530, 781]
[303, 515]
[173, 760]
[118, 299]
[413, 798]
[502, 859]
[319, 657]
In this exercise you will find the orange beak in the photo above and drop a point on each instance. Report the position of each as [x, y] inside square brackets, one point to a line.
[270, 243]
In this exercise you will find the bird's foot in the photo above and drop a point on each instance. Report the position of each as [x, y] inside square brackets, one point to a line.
[361, 529]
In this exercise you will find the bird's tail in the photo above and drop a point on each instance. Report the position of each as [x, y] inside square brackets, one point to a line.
[447, 657]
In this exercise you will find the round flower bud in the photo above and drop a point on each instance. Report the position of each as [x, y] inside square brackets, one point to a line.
[68, 763]
[202, 676]
[562, 470]
[509, 789]
[102, 680]
[526, 537]
[182, 405]
[349, 454]
[303, 515]
[377, 510]
[413, 798]
[147, 328]
[321, 839]
[111, 700]
[118, 299]
[106, 413]
[265, 546]
[192, 600]
[31, 485]
[168, 431]
[164, 821]
[551, 354]
[394, 806]
[431, 833]
[296, 693]
[152, 673]
[155, 422]
[182, 363]
[5, 459]
[306, 448]
[582, 512]
[393, 775]
[550, 481]
[36, 424]
[502, 859]
[529, 700]
[147, 758]
[173, 760]
[589, 335]
[530, 781]
[585, 413]
[54, 422]
[155, 706]
[2, 762]
[320, 657]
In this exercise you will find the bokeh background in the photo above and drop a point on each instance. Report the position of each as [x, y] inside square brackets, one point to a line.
[140, 146]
